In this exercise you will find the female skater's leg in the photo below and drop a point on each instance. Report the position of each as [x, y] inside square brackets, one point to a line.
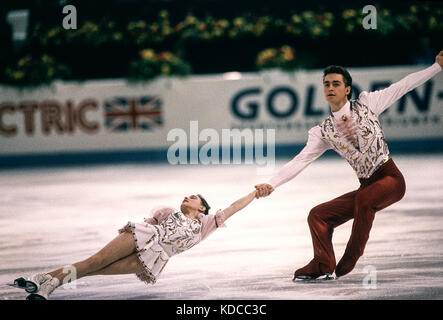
[127, 265]
[120, 247]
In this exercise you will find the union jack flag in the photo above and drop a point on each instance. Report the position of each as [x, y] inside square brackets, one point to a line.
[135, 113]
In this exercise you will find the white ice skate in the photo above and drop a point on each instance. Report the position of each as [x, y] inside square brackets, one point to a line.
[31, 284]
[45, 290]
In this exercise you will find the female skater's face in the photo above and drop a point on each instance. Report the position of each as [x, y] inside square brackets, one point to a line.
[192, 203]
[334, 88]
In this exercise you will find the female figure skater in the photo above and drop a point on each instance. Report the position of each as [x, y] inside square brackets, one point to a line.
[143, 248]
[354, 132]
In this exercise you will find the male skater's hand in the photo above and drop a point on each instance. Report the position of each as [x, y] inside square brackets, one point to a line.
[263, 190]
[439, 58]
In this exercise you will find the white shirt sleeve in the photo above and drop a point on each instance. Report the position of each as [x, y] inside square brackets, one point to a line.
[314, 148]
[378, 101]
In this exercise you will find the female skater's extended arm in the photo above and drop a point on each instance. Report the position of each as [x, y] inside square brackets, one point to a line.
[211, 222]
[239, 204]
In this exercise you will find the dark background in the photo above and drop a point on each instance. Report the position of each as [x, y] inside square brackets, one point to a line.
[110, 59]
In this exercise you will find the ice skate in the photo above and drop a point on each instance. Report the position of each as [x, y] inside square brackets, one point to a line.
[45, 290]
[325, 277]
[32, 284]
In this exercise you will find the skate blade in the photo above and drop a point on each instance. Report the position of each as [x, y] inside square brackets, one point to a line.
[18, 283]
[22, 283]
[325, 277]
[302, 279]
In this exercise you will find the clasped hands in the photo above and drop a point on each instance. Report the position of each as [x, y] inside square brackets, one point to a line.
[263, 190]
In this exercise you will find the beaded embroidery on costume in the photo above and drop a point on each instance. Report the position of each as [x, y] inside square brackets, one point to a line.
[179, 233]
[370, 151]
[157, 243]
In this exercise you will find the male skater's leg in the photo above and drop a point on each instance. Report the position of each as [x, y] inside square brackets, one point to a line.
[322, 220]
[368, 201]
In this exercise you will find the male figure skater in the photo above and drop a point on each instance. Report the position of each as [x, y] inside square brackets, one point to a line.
[354, 132]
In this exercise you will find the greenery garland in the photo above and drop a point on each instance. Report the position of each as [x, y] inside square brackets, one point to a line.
[169, 39]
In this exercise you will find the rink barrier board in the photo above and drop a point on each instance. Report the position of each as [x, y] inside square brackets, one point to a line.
[159, 156]
[93, 122]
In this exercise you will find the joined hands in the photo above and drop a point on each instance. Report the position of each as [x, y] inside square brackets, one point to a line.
[263, 190]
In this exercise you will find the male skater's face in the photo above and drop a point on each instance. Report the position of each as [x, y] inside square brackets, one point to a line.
[334, 88]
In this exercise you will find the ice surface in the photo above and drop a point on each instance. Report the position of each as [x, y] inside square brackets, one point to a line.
[53, 217]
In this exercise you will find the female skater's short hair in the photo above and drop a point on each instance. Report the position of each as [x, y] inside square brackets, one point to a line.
[204, 203]
[340, 70]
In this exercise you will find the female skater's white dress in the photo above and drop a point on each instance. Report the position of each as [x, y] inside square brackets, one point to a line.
[166, 233]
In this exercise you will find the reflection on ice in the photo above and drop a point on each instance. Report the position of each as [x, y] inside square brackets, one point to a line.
[51, 218]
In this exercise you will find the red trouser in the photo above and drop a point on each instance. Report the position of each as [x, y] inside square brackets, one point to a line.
[385, 187]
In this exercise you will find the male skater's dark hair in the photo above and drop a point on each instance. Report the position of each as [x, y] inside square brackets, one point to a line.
[346, 76]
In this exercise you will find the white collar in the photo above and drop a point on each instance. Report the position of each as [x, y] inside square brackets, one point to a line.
[345, 110]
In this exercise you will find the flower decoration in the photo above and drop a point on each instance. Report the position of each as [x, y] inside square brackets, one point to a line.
[152, 64]
[282, 58]
[35, 70]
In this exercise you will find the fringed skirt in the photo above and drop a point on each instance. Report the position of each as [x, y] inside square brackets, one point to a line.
[152, 256]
